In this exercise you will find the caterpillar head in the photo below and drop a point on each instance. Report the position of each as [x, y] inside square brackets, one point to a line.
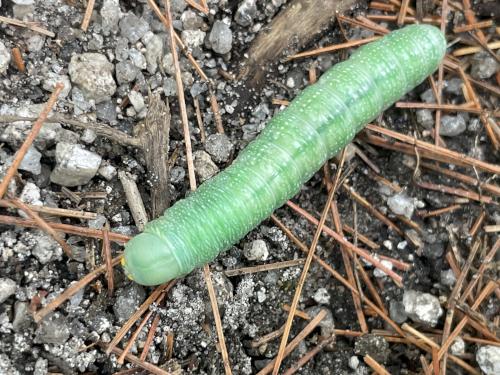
[150, 261]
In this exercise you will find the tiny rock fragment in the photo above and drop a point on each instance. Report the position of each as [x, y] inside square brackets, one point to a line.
[483, 65]
[31, 161]
[53, 329]
[219, 146]
[74, 165]
[128, 299]
[133, 28]
[93, 74]
[488, 358]
[452, 126]
[422, 307]
[375, 346]
[246, 13]
[110, 15]
[401, 204]
[7, 288]
[221, 38]
[257, 250]
[204, 166]
[321, 296]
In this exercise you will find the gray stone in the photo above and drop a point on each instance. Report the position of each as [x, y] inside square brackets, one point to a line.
[483, 66]
[22, 316]
[397, 312]
[488, 359]
[31, 194]
[74, 165]
[452, 126]
[53, 329]
[448, 278]
[137, 58]
[133, 28]
[46, 248]
[168, 64]
[110, 16]
[354, 362]
[4, 58]
[107, 171]
[198, 88]
[454, 86]
[190, 20]
[97, 223]
[137, 100]
[401, 204]
[35, 43]
[321, 296]
[41, 366]
[422, 307]
[458, 347]
[154, 51]
[93, 74]
[425, 117]
[219, 146]
[204, 166]
[52, 79]
[31, 161]
[88, 136]
[295, 79]
[126, 72]
[246, 13]
[428, 96]
[169, 86]
[23, 8]
[81, 104]
[193, 38]
[375, 346]
[106, 111]
[128, 300]
[96, 43]
[67, 136]
[221, 38]
[121, 49]
[177, 174]
[257, 250]
[7, 288]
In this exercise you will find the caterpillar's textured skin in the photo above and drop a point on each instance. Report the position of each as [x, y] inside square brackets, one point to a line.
[317, 124]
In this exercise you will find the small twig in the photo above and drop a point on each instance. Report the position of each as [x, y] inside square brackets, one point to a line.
[106, 252]
[164, 288]
[470, 50]
[263, 267]
[217, 318]
[335, 47]
[473, 26]
[72, 290]
[375, 366]
[201, 7]
[296, 341]
[216, 112]
[402, 12]
[100, 129]
[136, 361]
[65, 228]
[53, 211]
[180, 94]
[456, 191]
[87, 15]
[150, 337]
[29, 25]
[134, 199]
[199, 119]
[21, 153]
[17, 57]
[308, 356]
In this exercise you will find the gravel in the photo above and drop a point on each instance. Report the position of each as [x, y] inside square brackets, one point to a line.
[401, 204]
[483, 65]
[488, 358]
[74, 165]
[7, 288]
[451, 126]
[257, 250]
[221, 38]
[422, 308]
[4, 58]
[204, 167]
[93, 74]
[31, 161]
[219, 146]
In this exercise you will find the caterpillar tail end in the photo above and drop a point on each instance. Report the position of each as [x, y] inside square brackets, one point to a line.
[148, 261]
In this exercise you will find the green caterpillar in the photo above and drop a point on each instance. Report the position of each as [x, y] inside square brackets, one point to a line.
[270, 170]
